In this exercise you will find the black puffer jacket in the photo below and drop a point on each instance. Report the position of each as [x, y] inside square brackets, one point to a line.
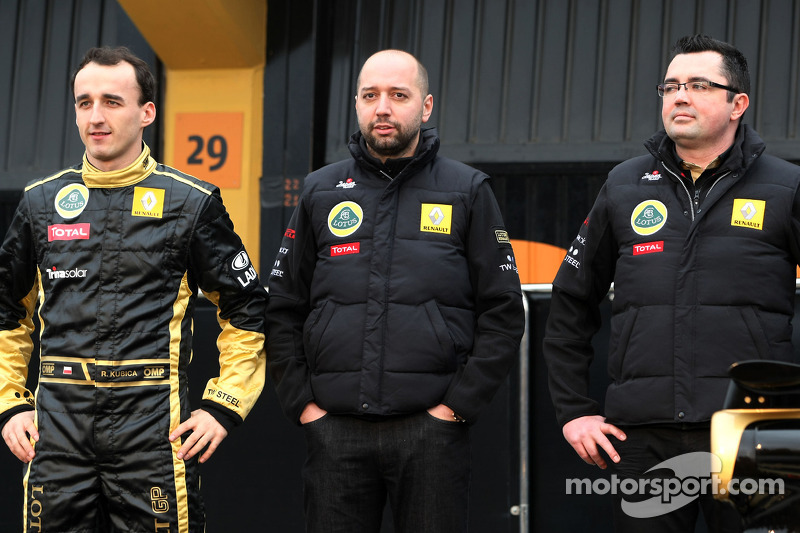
[696, 288]
[390, 296]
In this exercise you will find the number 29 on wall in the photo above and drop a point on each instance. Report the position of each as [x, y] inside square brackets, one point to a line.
[209, 146]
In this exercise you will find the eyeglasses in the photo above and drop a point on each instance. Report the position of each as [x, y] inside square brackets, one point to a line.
[694, 87]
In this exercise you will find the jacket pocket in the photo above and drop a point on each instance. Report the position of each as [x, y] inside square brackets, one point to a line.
[442, 331]
[621, 328]
[313, 330]
[760, 342]
[418, 340]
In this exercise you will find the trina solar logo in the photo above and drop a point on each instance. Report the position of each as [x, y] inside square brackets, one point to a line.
[55, 273]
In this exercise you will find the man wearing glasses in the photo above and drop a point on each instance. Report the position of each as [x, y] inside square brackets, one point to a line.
[701, 238]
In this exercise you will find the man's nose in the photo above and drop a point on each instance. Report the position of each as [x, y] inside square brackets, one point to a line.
[96, 116]
[384, 105]
[682, 94]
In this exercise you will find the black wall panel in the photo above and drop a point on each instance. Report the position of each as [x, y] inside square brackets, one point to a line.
[550, 81]
[41, 42]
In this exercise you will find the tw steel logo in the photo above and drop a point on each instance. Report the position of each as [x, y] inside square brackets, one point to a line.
[68, 232]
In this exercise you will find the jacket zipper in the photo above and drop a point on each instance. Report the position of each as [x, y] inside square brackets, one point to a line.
[694, 202]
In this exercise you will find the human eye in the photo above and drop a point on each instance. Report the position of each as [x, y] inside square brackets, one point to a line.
[400, 95]
[670, 88]
[367, 96]
[699, 86]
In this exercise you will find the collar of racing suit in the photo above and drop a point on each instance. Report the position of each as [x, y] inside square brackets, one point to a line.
[130, 175]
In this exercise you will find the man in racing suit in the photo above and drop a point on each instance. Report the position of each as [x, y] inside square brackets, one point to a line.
[701, 238]
[114, 252]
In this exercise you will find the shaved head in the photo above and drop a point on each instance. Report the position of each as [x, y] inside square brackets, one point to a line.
[422, 73]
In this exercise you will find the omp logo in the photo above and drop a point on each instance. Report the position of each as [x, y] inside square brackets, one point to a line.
[148, 202]
[648, 217]
[67, 232]
[748, 213]
[154, 372]
[345, 218]
[436, 218]
[48, 369]
[71, 200]
[55, 273]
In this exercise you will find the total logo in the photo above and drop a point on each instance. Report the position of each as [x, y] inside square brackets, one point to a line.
[55, 273]
[241, 264]
[67, 232]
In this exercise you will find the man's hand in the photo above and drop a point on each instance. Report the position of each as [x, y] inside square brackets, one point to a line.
[442, 412]
[206, 433]
[587, 432]
[312, 412]
[18, 432]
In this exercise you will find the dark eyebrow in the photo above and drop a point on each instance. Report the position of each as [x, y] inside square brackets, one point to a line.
[693, 78]
[401, 89]
[107, 96]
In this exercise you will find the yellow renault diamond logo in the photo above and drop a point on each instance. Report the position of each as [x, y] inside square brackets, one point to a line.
[436, 218]
[748, 213]
[148, 202]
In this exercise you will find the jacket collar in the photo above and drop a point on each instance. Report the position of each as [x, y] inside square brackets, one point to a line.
[426, 151]
[134, 173]
[746, 148]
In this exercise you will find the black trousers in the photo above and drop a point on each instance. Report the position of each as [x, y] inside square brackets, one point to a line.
[420, 463]
[649, 446]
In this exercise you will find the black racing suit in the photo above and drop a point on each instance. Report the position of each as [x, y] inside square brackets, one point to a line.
[114, 261]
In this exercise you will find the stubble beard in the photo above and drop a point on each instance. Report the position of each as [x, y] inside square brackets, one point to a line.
[391, 146]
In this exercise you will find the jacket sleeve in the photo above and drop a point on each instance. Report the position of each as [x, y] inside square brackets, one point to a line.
[581, 284]
[19, 290]
[500, 315]
[229, 280]
[289, 306]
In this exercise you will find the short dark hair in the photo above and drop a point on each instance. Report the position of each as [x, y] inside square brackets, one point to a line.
[734, 64]
[108, 56]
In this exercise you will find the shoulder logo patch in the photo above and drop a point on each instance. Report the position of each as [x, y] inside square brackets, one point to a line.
[345, 218]
[148, 202]
[436, 218]
[71, 200]
[748, 213]
[648, 217]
